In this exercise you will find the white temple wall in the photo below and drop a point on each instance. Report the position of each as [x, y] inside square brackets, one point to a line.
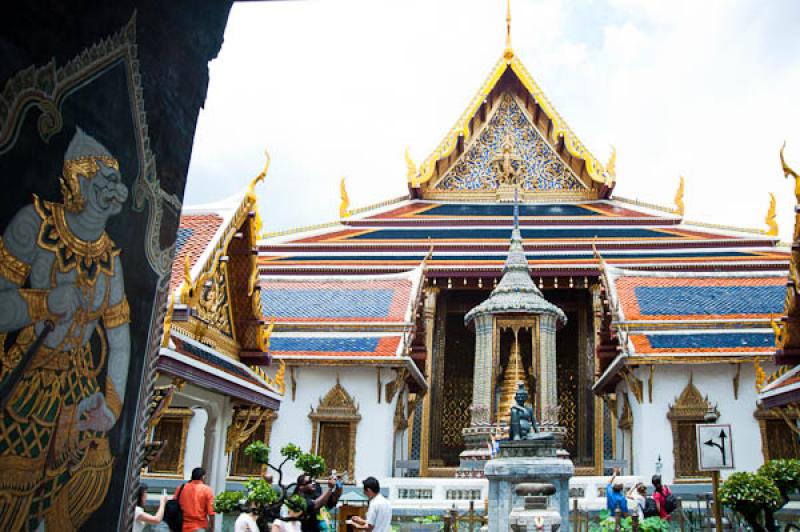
[375, 433]
[652, 430]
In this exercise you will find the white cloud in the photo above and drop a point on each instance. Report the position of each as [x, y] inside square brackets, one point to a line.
[703, 89]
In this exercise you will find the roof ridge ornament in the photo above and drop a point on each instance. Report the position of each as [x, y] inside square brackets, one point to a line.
[344, 206]
[679, 206]
[789, 171]
[412, 174]
[771, 218]
[508, 53]
[251, 188]
[611, 167]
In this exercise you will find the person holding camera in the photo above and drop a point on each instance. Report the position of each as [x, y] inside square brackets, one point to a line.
[307, 488]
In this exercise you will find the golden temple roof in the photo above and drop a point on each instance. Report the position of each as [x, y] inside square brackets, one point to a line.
[559, 131]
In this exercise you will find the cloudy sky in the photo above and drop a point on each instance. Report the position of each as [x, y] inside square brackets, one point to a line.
[708, 90]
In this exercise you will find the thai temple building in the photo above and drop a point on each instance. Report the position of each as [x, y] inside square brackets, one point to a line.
[212, 397]
[391, 341]
[665, 320]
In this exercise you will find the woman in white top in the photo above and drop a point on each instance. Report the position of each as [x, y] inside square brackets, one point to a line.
[295, 506]
[140, 517]
[638, 494]
[246, 522]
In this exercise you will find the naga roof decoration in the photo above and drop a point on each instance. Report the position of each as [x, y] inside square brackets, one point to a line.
[547, 155]
[667, 317]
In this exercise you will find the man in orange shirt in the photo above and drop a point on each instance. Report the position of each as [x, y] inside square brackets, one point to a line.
[197, 502]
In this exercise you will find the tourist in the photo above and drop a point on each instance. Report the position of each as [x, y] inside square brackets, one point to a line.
[306, 488]
[246, 522]
[638, 495]
[197, 503]
[140, 517]
[614, 496]
[379, 515]
[663, 497]
[295, 509]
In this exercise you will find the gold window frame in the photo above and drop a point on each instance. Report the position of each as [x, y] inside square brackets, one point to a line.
[184, 415]
[337, 406]
[689, 407]
[264, 429]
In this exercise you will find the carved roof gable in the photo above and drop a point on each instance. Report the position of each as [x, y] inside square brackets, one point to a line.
[532, 157]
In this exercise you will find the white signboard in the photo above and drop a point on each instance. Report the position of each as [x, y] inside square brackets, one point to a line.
[714, 447]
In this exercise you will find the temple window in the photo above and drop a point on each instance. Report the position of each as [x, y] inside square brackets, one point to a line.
[333, 430]
[625, 425]
[780, 435]
[241, 464]
[171, 429]
[689, 409]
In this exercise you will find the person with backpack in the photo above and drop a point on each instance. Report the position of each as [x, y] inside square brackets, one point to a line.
[645, 505]
[614, 496]
[665, 500]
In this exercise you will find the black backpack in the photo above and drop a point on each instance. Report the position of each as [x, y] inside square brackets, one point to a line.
[670, 503]
[173, 513]
[650, 508]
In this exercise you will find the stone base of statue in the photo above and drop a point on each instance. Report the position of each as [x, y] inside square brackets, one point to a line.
[540, 460]
[478, 442]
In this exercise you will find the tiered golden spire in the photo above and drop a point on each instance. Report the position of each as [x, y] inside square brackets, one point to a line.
[515, 374]
[508, 54]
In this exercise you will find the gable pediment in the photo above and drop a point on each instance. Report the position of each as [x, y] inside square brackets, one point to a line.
[509, 138]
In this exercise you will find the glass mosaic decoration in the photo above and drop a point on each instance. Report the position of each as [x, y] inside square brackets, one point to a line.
[537, 166]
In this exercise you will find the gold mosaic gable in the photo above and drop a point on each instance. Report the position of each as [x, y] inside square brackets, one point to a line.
[509, 150]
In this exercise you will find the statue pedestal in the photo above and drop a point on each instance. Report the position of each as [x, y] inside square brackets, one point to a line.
[478, 443]
[540, 460]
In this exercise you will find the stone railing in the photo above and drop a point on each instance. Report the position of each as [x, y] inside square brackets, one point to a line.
[434, 495]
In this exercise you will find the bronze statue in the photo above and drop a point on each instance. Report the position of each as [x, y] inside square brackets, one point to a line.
[523, 421]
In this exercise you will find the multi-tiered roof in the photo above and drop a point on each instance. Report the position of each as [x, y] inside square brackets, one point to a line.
[511, 137]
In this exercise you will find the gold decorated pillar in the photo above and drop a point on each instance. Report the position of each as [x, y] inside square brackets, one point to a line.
[429, 316]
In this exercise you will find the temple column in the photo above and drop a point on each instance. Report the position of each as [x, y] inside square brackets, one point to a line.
[429, 315]
[483, 369]
[547, 389]
[195, 441]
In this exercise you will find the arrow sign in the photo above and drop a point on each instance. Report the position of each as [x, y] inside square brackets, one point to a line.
[715, 447]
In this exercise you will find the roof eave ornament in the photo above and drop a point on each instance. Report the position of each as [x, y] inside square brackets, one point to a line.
[508, 53]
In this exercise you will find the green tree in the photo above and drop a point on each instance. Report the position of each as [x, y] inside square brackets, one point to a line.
[754, 496]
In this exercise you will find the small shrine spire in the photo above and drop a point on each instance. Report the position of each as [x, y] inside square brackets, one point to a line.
[508, 54]
[516, 208]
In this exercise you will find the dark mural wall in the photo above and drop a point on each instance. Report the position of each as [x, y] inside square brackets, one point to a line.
[98, 107]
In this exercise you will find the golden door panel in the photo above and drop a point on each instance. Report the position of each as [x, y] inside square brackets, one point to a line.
[333, 445]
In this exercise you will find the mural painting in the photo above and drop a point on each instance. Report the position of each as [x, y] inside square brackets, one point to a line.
[81, 265]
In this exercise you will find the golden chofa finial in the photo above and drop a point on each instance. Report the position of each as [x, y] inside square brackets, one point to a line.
[251, 189]
[186, 288]
[611, 167]
[771, 219]
[679, 206]
[788, 171]
[412, 174]
[508, 54]
[344, 206]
